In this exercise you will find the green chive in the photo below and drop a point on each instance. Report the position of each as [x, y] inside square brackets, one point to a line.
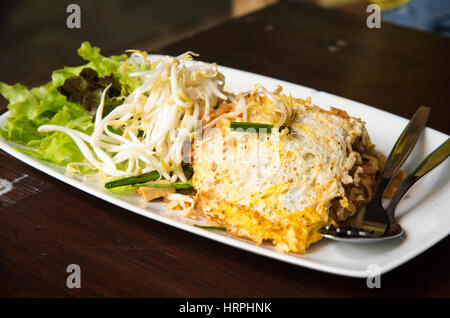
[149, 176]
[219, 228]
[255, 127]
[176, 185]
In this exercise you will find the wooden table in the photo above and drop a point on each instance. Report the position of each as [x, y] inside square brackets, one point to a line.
[46, 225]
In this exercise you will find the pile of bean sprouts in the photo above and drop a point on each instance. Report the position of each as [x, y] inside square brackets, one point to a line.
[147, 131]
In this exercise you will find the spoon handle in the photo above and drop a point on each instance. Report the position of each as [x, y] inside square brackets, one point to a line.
[402, 149]
[428, 164]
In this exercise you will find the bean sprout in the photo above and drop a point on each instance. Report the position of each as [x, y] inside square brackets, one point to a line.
[154, 120]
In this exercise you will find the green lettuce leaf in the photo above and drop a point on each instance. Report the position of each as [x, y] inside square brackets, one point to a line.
[31, 108]
[103, 65]
[110, 65]
[58, 148]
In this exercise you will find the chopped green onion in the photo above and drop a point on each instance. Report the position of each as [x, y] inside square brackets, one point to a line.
[219, 228]
[149, 176]
[176, 185]
[254, 126]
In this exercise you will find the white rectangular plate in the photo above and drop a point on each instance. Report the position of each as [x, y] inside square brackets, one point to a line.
[423, 213]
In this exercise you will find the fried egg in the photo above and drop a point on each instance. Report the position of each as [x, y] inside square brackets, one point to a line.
[277, 186]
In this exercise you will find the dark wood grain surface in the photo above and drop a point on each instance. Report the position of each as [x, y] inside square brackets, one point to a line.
[46, 225]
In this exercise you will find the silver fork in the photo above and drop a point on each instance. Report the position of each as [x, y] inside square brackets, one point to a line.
[378, 223]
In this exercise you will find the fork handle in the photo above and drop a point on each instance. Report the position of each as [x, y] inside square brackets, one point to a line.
[428, 164]
[402, 148]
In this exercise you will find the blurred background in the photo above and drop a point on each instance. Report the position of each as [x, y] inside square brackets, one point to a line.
[34, 38]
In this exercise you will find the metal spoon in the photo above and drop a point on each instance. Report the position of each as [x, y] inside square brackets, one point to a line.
[392, 229]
